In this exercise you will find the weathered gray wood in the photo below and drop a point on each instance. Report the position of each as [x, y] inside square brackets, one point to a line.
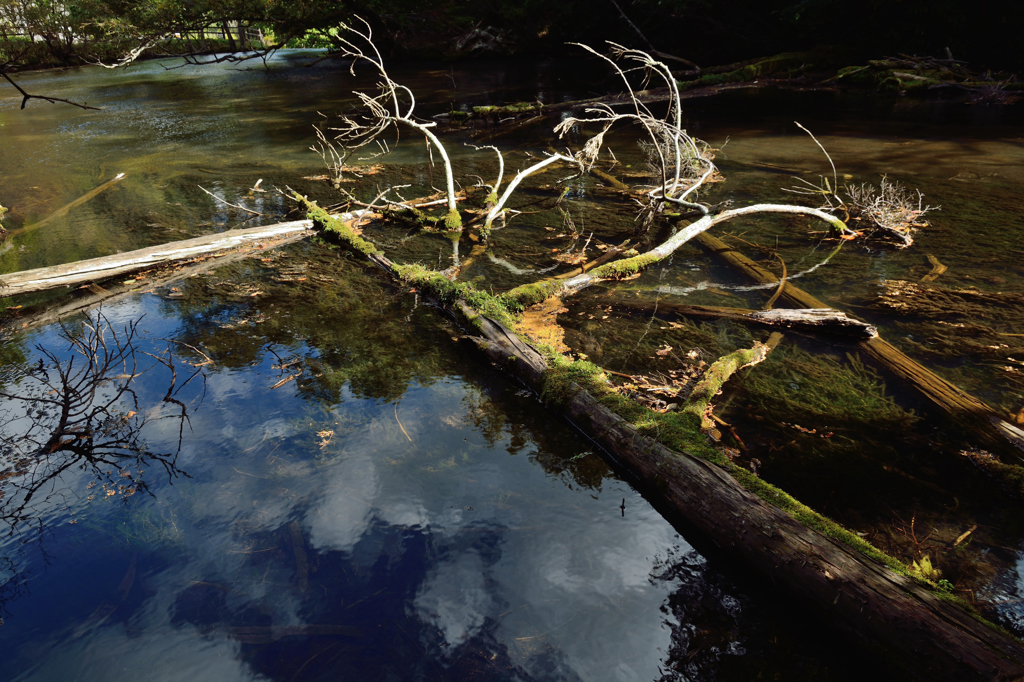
[95, 269]
[115, 291]
[826, 320]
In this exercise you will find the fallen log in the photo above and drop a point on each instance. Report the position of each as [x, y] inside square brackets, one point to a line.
[824, 320]
[146, 280]
[975, 415]
[766, 530]
[96, 269]
[845, 581]
[538, 109]
[857, 595]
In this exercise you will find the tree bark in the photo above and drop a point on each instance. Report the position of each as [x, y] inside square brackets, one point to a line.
[818, 320]
[96, 269]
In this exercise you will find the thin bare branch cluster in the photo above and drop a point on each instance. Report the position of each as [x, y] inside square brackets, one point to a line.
[393, 104]
[890, 208]
[684, 163]
[81, 413]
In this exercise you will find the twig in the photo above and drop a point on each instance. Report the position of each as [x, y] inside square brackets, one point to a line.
[228, 202]
[965, 534]
[782, 285]
[835, 175]
[282, 382]
[52, 100]
[400, 424]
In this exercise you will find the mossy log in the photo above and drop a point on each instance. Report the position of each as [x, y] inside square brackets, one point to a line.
[973, 414]
[857, 595]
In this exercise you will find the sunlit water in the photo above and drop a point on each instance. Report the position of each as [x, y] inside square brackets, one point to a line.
[395, 511]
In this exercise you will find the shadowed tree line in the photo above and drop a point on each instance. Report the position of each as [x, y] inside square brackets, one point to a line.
[701, 32]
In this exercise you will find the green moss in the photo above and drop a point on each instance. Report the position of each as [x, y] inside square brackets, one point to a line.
[447, 292]
[680, 432]
[564, 378]
[1010, 475]
[507, 109]
[626, 267]
[812, 519]
[973, 612]
[453, 221]
[530, 294]
[714, 378]
[336, 228]
[787, 63]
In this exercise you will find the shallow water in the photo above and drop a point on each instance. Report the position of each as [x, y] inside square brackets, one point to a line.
[430, 520]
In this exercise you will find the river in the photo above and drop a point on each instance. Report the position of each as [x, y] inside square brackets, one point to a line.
[351, 495]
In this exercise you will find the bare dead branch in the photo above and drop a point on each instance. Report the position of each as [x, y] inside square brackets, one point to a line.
[25, 97]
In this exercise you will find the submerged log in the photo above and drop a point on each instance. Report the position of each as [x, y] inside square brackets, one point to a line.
[96, 269]
[984, 422]
[63, 210]
[774, 539]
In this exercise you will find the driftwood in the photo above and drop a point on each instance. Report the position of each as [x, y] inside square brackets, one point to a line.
[824, 320]
[96, 269]
[988, 425]
[93, 295]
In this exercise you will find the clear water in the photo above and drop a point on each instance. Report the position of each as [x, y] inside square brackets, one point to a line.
[397, 511]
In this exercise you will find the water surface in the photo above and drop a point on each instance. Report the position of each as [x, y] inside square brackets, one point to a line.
[395, 510]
